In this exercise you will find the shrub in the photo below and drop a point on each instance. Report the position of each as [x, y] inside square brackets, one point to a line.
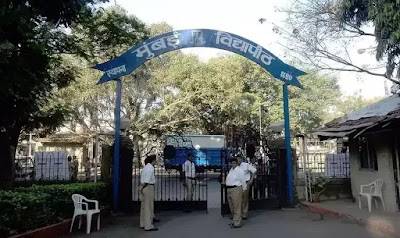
[318, 185]
[24, 209]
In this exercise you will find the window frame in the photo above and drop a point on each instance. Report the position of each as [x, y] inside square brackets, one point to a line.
[367, 147]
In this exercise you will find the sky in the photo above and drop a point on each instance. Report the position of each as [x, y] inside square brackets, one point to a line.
[241, 18]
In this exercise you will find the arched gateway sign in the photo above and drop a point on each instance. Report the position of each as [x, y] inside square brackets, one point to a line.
[158, 45]
[153, 47]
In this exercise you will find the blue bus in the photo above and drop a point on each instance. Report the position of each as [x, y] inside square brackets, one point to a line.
[207, 150]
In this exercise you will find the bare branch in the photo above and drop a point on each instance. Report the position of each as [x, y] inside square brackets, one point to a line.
[315, 35]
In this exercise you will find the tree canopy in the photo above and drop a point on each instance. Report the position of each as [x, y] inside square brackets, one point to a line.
[178, 93]
[326, 34]
[46, 80]
[385, 16]
[36, 37]
[349, 104]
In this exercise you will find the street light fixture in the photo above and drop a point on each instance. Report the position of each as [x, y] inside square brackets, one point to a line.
[125, 123]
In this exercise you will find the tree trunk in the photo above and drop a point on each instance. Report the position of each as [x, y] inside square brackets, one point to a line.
[8, 146]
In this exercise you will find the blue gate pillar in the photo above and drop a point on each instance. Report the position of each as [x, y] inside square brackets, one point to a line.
[117, 120]
[288, 145]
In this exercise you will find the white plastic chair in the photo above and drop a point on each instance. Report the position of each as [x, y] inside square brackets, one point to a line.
[370, 191]
[82, 208]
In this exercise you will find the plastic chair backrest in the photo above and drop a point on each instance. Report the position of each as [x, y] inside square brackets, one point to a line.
[78, 199]
[378, 186]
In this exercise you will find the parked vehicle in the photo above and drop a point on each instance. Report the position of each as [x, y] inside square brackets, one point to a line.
[208, 150]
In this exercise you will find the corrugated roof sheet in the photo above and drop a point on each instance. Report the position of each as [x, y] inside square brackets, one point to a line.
[65, 138]
[366, 118]
[378, 109]
[334, 134]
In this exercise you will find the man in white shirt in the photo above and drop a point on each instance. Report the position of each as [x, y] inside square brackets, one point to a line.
[189, 169]
[249, 174]
[235, 184]
[146, 188]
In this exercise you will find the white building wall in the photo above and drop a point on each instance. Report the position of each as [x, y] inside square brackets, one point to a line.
[385, 171]
[71, 149]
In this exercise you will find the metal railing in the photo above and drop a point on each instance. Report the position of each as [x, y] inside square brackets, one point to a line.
[170, 183]
[324, 165]
[52, 167]
[24, 168]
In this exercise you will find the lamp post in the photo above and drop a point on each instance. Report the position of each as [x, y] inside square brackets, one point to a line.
[261, 132]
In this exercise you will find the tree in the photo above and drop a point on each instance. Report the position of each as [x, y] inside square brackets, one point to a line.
[226, 92]
[176, 93]
[349, 104]
[309, 107]
[93, 105]
[109, 33]
[323, 34]
[384, 15]
[35, 37]
[30, 36]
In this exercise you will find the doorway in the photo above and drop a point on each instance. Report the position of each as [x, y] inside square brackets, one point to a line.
[396, 168]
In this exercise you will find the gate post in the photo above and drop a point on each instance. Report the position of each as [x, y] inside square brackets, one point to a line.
[288, 146]
[126, 171]
[117, 119]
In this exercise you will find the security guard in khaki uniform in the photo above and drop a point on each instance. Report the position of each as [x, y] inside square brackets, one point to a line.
[235, 184]
[189, 169]
[249, 174]
[146, 188]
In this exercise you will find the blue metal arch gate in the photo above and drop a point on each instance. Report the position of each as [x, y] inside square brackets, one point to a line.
[153, 47]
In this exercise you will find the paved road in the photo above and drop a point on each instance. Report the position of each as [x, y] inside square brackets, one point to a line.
[285, 223]
[294, 223]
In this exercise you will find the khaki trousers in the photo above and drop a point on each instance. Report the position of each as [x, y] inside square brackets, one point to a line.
[245, 201]
[235, 197]
[147, 207]
[190, 186]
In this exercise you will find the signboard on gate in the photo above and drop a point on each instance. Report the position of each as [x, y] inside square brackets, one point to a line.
[137, 55]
